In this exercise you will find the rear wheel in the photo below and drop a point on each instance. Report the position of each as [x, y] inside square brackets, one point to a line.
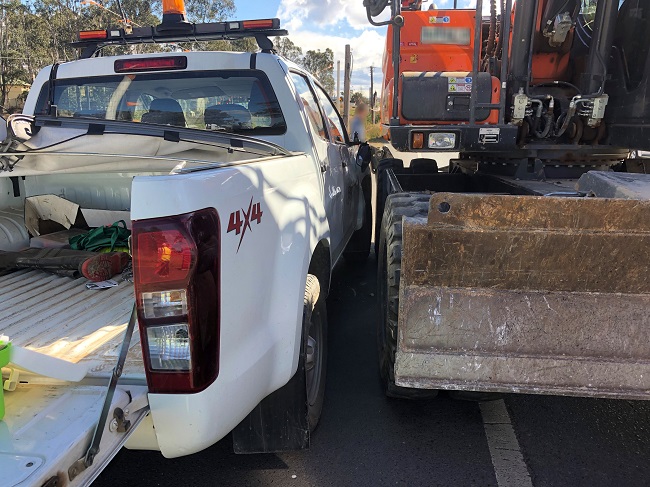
[389, 257]
[314, 348]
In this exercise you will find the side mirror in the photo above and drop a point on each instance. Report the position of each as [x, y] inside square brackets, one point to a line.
[3, 129]
[364, 156]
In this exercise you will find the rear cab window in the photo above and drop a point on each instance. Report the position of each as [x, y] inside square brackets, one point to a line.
[310, 105]
[239, 101]
[334, 122]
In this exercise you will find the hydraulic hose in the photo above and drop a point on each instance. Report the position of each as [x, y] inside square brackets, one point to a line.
[493, 27]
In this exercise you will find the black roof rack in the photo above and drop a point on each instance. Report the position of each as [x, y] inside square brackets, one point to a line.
[92, 41]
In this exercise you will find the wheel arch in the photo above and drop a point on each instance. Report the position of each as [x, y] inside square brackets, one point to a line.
[320, 265]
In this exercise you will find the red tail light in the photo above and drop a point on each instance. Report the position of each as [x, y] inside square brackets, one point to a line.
[176, 275]
[150, 64]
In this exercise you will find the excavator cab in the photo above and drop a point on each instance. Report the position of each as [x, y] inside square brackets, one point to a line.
[435, 75]
[517, 77]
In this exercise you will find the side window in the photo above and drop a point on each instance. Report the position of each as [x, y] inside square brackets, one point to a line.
[311, 106]
[334, 123]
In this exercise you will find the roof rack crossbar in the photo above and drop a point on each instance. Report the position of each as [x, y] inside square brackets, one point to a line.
[185, 33]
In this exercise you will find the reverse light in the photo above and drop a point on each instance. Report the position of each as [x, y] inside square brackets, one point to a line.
[169, 347]
[417, 140]
[176, 277]
[150, 64]
[442, 140]
[87, 35]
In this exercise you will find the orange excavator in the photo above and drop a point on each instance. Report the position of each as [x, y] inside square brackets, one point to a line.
[522, 265]
[536, 71]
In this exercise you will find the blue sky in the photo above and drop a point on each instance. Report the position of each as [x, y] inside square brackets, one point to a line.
[249, 9]
[319, 24]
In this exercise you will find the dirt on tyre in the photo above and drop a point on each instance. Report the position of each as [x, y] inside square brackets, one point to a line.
[389, 258]
[314, 348]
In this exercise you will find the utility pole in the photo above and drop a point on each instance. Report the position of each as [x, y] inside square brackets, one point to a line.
[346, 85]
[371, 98]
[338, 84]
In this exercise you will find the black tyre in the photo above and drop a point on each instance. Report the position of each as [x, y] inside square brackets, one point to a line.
[397, 206]
[382, 192]
[314, 348]
[358, 248]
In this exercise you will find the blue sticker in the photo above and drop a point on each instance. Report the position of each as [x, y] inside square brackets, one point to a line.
[468, 80]
[445, 20]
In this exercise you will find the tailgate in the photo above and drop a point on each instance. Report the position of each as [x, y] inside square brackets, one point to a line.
[47, 428]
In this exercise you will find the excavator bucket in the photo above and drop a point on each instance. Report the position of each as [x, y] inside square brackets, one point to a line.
[544, 295]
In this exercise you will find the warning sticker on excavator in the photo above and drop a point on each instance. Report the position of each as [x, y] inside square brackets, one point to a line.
[458, 86]
[439, 20]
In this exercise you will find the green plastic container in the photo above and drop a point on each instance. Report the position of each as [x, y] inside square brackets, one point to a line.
[5, 351]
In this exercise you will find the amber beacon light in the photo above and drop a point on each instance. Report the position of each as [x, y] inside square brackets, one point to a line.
[173, 15]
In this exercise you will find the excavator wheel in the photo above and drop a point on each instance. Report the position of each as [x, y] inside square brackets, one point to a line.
[397, 206]
[383, 191]
[389, 259]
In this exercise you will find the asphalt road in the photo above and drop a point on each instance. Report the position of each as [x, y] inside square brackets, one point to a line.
[365, 439]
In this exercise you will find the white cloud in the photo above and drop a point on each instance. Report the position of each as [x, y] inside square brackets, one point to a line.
[312, 25]
[295, 13]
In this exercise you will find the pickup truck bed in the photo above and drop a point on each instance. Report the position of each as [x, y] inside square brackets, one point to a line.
[49, 423]
[60, 317]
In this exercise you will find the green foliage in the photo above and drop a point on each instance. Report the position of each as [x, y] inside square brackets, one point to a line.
[209, 10]
[35, 33]
[287, 49]
[321, 65]
[357, 97]
[373, 131]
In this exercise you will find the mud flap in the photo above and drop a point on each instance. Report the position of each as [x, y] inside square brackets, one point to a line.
[527, 294]
[278, 423]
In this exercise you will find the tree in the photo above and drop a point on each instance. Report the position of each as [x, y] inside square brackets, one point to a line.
[321, 65]
[21, 40]
[357, 97]
[288, 49]
[209, 10]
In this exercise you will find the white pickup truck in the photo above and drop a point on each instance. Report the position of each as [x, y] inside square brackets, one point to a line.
[243, 190]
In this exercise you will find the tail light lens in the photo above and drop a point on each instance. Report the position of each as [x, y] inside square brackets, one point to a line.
[150, 64]
[176, 276]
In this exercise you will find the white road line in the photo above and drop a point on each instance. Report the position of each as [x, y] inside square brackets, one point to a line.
[507, 460]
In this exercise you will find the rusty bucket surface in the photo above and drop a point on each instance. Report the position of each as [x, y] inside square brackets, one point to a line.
[527, 294]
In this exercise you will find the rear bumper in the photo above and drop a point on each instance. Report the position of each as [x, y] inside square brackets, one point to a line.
[527, 295]
[468, 138]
